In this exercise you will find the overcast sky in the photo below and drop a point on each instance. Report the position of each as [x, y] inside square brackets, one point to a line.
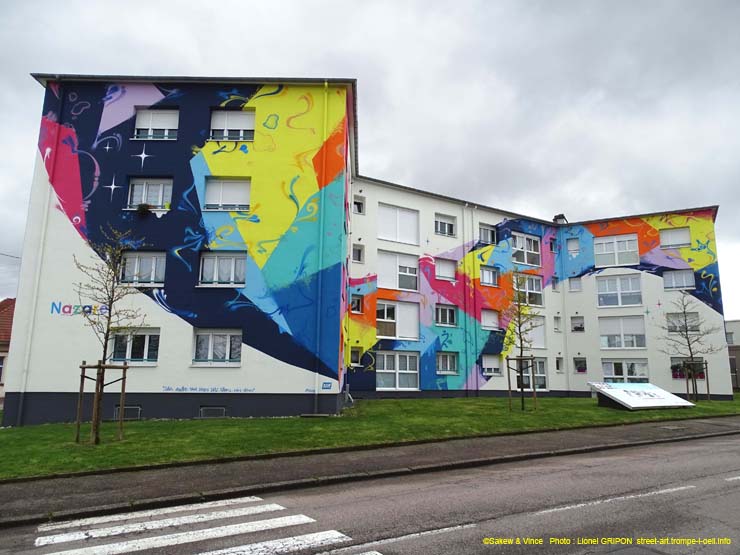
[590, 108]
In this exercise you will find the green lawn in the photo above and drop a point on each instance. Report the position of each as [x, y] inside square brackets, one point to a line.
[49, 449]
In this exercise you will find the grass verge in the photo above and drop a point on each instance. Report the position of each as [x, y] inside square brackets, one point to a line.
[49, 449]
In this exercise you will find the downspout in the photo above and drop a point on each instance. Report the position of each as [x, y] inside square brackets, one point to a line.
[465, 307]
[564, 290]
[319, 280]
[39, 263]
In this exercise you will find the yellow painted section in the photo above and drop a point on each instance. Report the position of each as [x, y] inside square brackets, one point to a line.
[703, 249]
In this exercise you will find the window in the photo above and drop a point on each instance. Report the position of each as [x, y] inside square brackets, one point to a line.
[577, 323]
[398, 224]
[573, 246]
[730, 336]
[619, 290]
[444, 225]
[143, 268]
[538, 369]
[489, 276]
[154, 191]
[616, 250]
[674, 238]
[559, 365]
[218, 347]
[397, 320]
[445, 315]
[396, 370]
[355, 354]
[223, 268]
[398, 271]
[2, 365]
[227, 194]
[553, 245]
[358, 204]
[625, 332]
[574, 284]
[555, 284]
[678, 279]
[525, 249]
[677, 323]
[629, 371]
[356, 304]
[679, 365]
[529, 289]
[535, 332]
[487, 234]
[447, 363]
[557, 323]
[138, 346]
[156, 124]
[358, 253]
[232, 125]
[444, 269]
[580, 364]
[491, 365]
[489, 319]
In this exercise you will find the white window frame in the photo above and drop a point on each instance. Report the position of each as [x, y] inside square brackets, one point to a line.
[447, 363]
[487, 229]
[352, 303]
[217, 256]
[384, 305]
[491, 371]
[212, 182]
[352, 361]
[619, 289]
[383, 234]
[530, 247]
[680, 245]
[398, 308]
[575, 366]
[359, 205]
[498, 319]
[575, 285]
[530, 288]
[614, 244]
[612, 377]
[683, 286]
[677, 317]
[573, 324]
[622, 335]
[440, 263]
[397, 355]
[681, 360]
[164, 186]
[445, 315]
[403, 269]
[129, 335]
[557, 324]
[243, 134]
[494, 272]
[445, 225]
[137, 257]
[230, 334]
[573, 251]
[538, 369]
[170, 134]
[361, 249]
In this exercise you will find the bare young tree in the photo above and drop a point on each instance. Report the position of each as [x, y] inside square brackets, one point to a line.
[686, 335]
[101, 296]
[518, 338]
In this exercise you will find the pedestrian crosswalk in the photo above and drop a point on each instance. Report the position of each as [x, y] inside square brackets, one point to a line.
[242, 526]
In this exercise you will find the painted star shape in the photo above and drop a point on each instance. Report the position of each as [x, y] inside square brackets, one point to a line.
[143, 156]
[107, 148]
[112, 187]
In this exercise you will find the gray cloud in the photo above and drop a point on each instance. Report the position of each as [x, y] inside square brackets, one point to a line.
[593, 108]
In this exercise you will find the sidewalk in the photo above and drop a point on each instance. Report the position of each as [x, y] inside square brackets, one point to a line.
[39, 500]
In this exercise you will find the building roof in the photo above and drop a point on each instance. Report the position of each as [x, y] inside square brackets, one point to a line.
[7, 307]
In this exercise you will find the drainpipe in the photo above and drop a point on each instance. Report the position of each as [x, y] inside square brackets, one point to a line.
[465, 305]
[39, 263]
[319, 281]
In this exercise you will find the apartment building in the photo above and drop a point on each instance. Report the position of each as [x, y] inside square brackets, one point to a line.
[273, 276]
[732, 329]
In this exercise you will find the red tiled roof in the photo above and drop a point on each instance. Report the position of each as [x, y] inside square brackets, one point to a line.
[7, 307]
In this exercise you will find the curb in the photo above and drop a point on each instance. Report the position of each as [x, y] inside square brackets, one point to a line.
[173, 500]
[334, 450]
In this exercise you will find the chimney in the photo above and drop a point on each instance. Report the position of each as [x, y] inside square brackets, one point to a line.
[560, 219]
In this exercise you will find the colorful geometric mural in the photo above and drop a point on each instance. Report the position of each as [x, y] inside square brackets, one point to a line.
[294, 233]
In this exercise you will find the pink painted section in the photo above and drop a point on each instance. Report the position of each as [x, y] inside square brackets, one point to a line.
[121, 101]
[56, 145]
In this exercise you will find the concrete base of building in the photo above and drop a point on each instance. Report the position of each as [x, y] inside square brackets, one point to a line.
[42, 408]
[459, 393]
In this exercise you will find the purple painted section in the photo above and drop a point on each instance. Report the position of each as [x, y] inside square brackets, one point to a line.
[665, 258]
[122, 100]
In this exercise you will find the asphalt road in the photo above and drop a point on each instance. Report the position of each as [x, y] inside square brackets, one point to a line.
[682, 491]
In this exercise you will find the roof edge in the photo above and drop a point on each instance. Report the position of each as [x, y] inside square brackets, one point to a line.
[44, 78]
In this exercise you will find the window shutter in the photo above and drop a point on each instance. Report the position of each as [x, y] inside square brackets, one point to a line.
[218, 119]
[633, 325]
[408, 226]
[235, 192]
[445, 268]
[675, 236]
[387, 222]
[164, 119]
[408, 320]
[387, 270]
[243, 119]
[609, 326]
[489, 318]
[213, 191]
[143, 119]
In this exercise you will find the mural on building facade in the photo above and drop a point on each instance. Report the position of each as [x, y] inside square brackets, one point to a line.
[468, 338]
[293, 233]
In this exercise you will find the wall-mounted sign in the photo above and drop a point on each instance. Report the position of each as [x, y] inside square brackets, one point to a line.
[639, 395]
[74, 309]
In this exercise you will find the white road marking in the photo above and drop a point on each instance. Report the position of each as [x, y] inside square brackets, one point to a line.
[732, 479]
[156, 524]
[92, 521]
[400, 538]
[611, 499]
[188, 537]
[285, 545]
[370, 553]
